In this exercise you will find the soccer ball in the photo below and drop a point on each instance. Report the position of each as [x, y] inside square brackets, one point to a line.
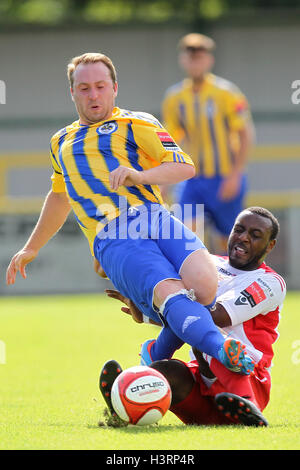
[141, 395]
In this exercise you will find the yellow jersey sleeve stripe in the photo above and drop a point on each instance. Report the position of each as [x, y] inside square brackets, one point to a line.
[55, 164]
[58, 183]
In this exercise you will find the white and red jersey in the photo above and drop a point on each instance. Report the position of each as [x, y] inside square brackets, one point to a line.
[253, 300]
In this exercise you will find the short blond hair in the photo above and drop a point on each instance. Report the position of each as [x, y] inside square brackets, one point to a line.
[91, 58]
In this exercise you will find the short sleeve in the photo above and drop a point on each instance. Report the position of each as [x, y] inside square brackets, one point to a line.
[158, 145]
[237, 110]
[58, 183]
[249, 298]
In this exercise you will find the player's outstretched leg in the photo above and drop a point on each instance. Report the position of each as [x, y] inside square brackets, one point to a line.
[162, 348]
[244, 411]
[232, 355]
[108, 375]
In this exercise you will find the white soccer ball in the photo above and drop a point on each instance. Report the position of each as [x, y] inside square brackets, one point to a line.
[141, 395]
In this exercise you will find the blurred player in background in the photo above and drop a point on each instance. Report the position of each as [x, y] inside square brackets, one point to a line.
[249, 301]
[107, 166]
[210, 118]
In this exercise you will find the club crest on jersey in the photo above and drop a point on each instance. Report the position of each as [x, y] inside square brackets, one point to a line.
[107, 128]
[210, 108]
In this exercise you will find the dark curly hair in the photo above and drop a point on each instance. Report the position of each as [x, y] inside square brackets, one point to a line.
[268, 215]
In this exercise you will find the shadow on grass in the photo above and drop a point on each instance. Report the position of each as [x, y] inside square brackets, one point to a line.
[155, 428]
[162, 428]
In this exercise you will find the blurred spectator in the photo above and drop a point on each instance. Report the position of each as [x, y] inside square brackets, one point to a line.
[209, 116]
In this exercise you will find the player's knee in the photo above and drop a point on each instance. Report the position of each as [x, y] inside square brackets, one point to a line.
[204, 286]
[165, 288]
[200, 274]
[207, 294]
[179, 377]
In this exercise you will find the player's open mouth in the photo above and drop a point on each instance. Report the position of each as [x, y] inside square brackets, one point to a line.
[240, 250]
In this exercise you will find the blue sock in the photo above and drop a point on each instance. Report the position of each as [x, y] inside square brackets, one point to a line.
[193, 324]
[165, 345]
[209, 306]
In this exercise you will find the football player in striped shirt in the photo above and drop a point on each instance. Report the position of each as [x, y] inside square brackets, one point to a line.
[107, 168]
[210, 118]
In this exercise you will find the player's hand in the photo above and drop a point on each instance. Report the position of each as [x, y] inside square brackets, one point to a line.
[203, 364]
[18, 264]
[124, 176]
[230, 187]
[98, 269]
[130, 309]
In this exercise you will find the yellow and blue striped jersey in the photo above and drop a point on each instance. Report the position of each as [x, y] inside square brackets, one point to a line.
[82, 157]
[205, 123]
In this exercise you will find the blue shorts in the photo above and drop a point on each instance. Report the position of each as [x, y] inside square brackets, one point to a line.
[204, 191]
[138, 250]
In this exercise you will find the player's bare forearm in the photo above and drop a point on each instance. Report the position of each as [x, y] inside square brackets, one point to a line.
[246, 140]
[203, 365]
[231, 185]
[53, 215]
[166, 173]
[220, 316]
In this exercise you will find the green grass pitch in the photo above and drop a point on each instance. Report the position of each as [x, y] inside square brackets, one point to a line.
[51, 354]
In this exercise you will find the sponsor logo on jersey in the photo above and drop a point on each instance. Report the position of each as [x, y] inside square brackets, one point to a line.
[266, 286]
[241, 107]
[254, 295]
[241, 300]
[167, 141]
[227, 273]
[107, 128]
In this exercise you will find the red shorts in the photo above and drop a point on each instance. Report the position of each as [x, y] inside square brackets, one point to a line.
[199, 406]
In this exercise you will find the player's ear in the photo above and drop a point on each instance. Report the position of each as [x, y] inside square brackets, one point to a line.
[182, 60]
[116, 87]
[272, 243]
[212, 61]
[72, 92]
